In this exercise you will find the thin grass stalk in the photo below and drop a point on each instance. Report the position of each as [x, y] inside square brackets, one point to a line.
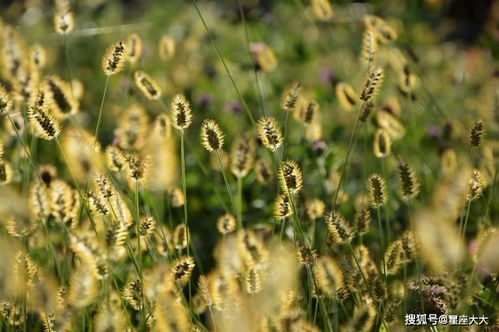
[78, 188]
[227, 185]
[240, 202]
[212, 41]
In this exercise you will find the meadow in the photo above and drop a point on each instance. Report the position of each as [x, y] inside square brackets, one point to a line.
[247, 165]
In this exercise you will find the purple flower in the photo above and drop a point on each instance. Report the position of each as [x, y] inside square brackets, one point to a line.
[234, 107]
[434, 131]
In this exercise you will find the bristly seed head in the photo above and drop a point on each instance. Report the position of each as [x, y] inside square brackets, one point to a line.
[114, 58]
[382, 144]
[372, 84]
[212, 136]
[290, 177]
[376, 187]
[476, 185]
[147, 85]
[409, 181]
[476, 134]
[226, 223]
[282, 207]
[362, 221]
[134, 43]
[181, 112]
[290, 96]
[338, 228]
[182, 269]
[242, 155]
[270, 133]
[43, 122]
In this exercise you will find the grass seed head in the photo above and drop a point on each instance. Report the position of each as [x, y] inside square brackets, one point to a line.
[376, 186]
[212, 137]
[476, 134]
[338, 228]
[346, 96]
[41, 118]
[372, 84]
[270, 133]
[114, 58]
[181, 112]
[290, 177]
[134, 46]
[226, 223]
[290, 96]
[282, 207]
[149, 88]
[382, 144]
[409, 181]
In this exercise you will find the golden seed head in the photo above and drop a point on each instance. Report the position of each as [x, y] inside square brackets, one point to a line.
[163, 126]
[372, 84]
[63, 21]
[362, 221]
[5, 101]
[147, 226]
[104, 186]
[282, 207]
[322, 9]
[182, 269]
[166, 48]
[136, 167]
[270, 133]
[394, 257]
[382, 144]
[253, 281]
[476, 185]
[96, 204]
[38, 56]
[134, 46]
[264, 172]
[315, 208]
[204, 290]
[369, 45]
[181, 237]
[147, 85]
[38, 201]
[242, 155]
[329, 275]
[476, 134]
[212, 137]
[59, 97]
[306, 256]
[390, 124]
[181, 112]
[346, 95]
[5, 172]
[338, 228]
[290, 96]
[114, 158]
[290, 177]
[409, 181]
[409, 246]
[132, 293]
[114, 58]
[41, 119]
[309, 113]
[376, 187]
[384, 32]
[264, 57]
[226, 223]
[176, 196]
